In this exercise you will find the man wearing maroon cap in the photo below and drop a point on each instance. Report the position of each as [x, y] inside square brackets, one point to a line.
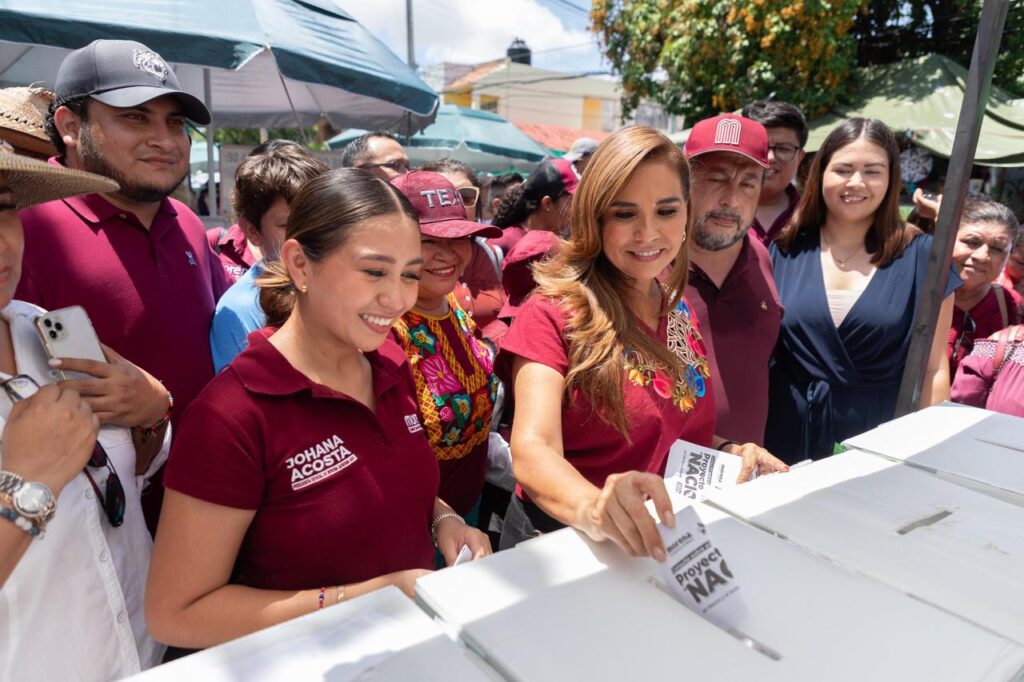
[730, 285]
[453, 372]
[136, 260]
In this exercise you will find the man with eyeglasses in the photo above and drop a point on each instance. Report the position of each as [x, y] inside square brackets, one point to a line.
[787, 136]
[378, 152]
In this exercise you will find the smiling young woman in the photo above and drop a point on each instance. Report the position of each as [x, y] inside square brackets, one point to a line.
[607, 363]
[302, 476]
[849, 273]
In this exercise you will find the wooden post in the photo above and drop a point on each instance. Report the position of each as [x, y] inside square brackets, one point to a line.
[972, 112]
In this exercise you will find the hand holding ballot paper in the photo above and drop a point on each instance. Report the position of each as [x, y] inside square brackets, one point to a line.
[693, 471]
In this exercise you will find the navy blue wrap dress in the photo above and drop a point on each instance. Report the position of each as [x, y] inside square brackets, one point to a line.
[829, 383]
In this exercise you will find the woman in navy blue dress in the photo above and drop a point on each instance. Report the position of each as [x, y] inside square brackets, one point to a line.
[849, 272]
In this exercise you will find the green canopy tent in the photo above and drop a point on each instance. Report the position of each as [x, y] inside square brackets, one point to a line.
[481, 139]
[923, 96]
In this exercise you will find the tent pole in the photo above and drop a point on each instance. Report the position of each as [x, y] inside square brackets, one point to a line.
[211, 183]
[979, 83]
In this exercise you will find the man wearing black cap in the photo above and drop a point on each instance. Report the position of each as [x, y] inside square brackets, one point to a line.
[136, 260]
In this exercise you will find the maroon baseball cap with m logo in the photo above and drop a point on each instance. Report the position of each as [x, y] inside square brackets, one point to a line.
[729, 133]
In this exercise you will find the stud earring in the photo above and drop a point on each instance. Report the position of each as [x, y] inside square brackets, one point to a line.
[305, 288]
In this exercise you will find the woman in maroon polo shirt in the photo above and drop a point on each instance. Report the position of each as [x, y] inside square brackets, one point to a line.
[984, 240]
[303, 466]
[607, 363]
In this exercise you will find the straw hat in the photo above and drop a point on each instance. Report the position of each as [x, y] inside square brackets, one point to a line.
[23, 119]
[35, 182]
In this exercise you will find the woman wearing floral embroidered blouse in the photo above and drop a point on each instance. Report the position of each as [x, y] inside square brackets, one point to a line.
[607, 363]
[453, 372]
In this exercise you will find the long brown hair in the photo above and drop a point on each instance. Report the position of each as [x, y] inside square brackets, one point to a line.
[596, 293]
[885, 238]
[321, 219]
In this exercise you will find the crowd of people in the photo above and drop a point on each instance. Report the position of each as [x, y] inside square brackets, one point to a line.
[379, 367]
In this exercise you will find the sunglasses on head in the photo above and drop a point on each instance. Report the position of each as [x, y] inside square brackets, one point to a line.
[21, 387]
[470, 195]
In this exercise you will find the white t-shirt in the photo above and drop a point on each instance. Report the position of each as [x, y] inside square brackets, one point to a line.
[73, 607]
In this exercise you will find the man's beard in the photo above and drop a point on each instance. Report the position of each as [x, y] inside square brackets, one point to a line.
[135, 192]
[710, 241]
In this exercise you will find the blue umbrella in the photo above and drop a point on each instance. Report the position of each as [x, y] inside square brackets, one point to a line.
[480, 139]
[261, 63]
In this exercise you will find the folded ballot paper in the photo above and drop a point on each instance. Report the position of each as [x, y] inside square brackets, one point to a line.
[693, 472]
[697, 574]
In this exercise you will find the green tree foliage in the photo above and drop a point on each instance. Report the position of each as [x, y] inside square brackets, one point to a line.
[891, 30]
[701, 57]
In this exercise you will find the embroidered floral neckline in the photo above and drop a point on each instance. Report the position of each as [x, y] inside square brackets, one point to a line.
[684, 341]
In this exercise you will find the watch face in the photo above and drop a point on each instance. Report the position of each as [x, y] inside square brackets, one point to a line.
[32, 499]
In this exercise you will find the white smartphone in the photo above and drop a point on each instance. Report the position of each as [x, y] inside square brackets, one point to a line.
[68, 333]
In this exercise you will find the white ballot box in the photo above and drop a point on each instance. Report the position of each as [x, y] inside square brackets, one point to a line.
[563, 608]
[947, 545]
[379, 636]
[975, 448]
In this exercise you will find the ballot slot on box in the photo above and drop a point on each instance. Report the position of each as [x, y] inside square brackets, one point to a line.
[952, 547]
[532, 618]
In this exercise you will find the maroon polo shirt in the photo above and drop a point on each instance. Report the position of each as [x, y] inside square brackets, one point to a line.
[149, 293]
[232, 248]
[342, 493]
[740, 323]
[767, 236]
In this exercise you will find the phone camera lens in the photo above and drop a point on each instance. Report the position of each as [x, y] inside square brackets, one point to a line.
[53, 334]
[48, 322]
[59, 327]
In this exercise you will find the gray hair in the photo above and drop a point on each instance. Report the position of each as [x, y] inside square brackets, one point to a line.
[981, 208]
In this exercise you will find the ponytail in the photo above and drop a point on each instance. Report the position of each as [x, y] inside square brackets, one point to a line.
[514, 208]
[277, 293]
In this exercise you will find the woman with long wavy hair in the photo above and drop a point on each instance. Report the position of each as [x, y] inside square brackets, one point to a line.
[606, 360]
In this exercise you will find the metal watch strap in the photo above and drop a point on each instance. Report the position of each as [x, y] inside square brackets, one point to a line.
[10, 482]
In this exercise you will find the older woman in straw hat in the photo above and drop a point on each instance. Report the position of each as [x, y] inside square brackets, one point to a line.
[85, 579]
[23, 121]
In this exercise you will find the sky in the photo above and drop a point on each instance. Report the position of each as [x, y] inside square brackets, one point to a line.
[472, 31]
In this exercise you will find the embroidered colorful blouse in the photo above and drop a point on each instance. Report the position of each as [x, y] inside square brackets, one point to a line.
[659, 410]
[456, 389]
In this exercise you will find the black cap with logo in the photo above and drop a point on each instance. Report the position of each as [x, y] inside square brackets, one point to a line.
[123, 73]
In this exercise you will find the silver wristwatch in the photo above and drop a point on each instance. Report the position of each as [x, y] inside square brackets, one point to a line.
[31, 499]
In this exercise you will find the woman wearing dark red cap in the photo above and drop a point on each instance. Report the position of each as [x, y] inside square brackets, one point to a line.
[608, 365]
[455, 383]
[303, 465]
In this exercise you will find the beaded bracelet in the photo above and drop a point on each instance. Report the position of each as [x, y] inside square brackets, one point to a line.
[323, 591]
[438, 519]
[21, 522]
[148, 432]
